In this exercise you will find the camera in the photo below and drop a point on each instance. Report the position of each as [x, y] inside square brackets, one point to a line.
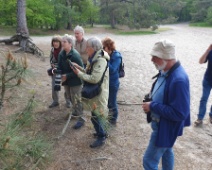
[49, 72]
[147, 98]
[58, 79]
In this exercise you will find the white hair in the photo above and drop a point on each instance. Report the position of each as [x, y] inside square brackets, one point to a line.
[80, 29]
[69, 38]
[95, 43]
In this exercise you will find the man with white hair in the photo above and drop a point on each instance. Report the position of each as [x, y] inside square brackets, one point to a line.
[80, 43]
[167, 106]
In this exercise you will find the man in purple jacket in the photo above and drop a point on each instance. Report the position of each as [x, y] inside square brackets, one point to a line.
[168, 107]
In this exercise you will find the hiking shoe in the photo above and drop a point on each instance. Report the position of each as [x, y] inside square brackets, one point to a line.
[100, 141]
[198, 122]
[96, 135]
[68, 105]
[53, 105]
[78, 125]
[113, 122]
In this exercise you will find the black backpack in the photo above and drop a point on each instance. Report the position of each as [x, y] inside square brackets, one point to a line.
[121, 69]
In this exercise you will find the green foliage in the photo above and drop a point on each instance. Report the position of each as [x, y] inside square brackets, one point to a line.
[40, 13]
[209, 16]
[200, 24]
[59, 14]
[199, 12]
[8, 12]
[12, 73]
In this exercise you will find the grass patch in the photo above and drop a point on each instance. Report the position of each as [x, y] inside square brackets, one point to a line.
[136, 32]
[200, 24]
[7, 30]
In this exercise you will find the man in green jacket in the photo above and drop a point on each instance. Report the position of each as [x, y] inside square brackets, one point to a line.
[71, 82]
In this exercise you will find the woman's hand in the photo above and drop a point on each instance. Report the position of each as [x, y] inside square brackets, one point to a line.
[76, 70]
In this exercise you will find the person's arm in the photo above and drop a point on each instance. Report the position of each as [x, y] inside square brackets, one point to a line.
[97, 73]
[204, 56]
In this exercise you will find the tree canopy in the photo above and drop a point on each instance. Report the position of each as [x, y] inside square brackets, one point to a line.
[57, 14]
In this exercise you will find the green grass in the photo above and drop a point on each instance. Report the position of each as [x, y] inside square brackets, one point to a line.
[200, 24]
[7, 30]
[136, 32]
[120, 30]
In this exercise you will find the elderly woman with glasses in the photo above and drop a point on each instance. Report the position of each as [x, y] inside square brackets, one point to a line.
[96, 69]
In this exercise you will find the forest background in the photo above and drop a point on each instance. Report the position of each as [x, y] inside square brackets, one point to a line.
[60, 14]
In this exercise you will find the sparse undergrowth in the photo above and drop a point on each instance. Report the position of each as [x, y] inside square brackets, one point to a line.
[21, 148]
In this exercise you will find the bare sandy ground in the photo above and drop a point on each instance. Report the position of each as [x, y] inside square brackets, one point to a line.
[128, 140]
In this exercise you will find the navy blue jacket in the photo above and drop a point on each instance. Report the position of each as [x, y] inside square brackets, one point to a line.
[208, 72]
[175, 110]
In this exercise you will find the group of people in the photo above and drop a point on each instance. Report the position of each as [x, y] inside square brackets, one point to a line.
[167, 105]
[80, 61]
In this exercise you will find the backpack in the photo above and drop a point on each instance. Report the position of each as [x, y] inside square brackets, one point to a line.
[121, 69]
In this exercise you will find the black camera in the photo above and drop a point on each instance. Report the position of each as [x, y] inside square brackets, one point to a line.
[49, 72]
[147, 98]
[58, 79]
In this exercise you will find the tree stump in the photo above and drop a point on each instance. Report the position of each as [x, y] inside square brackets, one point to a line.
[25, 43]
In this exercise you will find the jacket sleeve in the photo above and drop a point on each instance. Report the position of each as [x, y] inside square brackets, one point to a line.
[97, 73]
[178, 106]
[59, 66]
[51, 56]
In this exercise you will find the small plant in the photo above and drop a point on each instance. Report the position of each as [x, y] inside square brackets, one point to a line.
[20, 150]
[12, 74]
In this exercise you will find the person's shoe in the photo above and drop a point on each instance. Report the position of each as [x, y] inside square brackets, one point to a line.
[113, 122]
[53, 105]
[100, 141]
[198, 122]
[96, 135]
[74, 114]
[78, 125]
[68, 105]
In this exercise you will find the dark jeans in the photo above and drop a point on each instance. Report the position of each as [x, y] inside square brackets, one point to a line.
[206, 89]
[112, 102]
[98, 125]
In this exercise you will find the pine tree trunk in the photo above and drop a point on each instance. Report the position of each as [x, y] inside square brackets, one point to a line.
[21, 18]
